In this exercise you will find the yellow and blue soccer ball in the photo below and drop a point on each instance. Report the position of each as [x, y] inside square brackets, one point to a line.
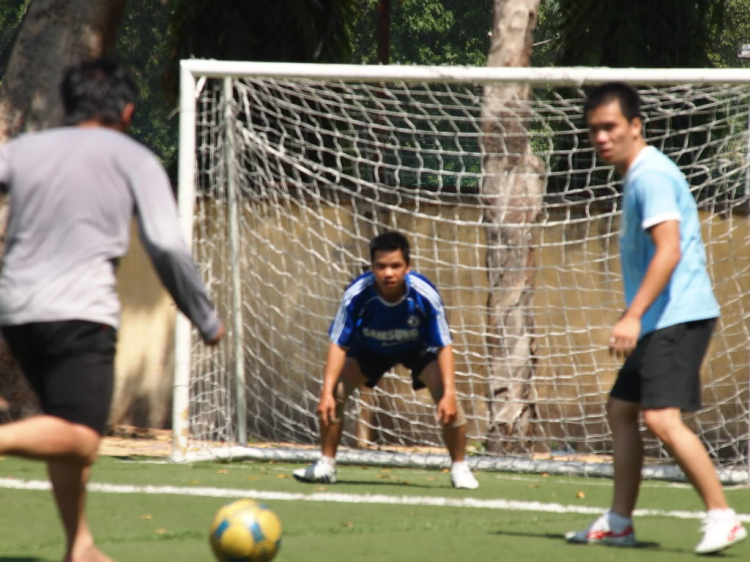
[245, 531]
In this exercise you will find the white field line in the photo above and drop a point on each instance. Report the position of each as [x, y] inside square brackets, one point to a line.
[507, 505]
[588, 481]
[604, 482]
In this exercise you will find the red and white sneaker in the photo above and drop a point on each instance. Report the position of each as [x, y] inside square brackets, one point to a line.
[720, 530]
[600, 531]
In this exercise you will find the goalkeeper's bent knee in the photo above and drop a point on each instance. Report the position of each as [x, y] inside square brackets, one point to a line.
[460, 420]
[343, 390]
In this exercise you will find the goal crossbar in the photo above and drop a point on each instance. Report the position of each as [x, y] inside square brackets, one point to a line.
[553, 76]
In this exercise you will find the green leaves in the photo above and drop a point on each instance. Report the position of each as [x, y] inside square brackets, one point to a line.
[637, 33]
[435, 32]
[11, 13]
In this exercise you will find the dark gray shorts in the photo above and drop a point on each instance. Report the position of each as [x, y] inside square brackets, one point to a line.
[374, 365]
[664, 369]
[70, 365]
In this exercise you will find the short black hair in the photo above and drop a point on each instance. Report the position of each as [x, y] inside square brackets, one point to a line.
[388, 242]
[630, 101]
[96, 90]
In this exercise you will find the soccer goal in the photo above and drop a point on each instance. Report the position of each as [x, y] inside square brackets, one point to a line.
[287, 170]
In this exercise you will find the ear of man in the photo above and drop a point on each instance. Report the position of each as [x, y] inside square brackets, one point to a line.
[126, 117]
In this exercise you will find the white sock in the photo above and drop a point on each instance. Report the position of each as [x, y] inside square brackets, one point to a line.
[330, 461]
[719, 514]
[618, 522]
[459, 464]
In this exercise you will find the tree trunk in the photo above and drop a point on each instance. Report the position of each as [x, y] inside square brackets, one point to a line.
[512, 189]
[384, 32]
[54, 34]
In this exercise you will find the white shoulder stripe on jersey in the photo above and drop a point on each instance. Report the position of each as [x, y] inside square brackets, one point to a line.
[339, 321]
[431, 294]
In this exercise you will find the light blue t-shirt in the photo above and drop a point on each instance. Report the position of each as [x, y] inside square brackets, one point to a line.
[655, 190]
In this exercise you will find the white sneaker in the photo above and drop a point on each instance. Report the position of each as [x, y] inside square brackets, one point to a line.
[323, 473]
[600, 532]
[461, 477]
[720, 532]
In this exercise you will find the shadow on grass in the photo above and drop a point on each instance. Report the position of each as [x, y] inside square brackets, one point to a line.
[367, 483]
[641, 545]
[20, 559]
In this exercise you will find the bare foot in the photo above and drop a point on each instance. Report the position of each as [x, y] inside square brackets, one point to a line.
[90, 554]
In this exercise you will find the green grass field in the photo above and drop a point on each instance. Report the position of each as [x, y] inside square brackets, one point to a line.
[148, 512]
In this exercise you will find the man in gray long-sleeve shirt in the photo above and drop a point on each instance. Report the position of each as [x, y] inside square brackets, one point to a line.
[73, 193]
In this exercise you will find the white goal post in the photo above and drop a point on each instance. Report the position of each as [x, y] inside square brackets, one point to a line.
[287, 170]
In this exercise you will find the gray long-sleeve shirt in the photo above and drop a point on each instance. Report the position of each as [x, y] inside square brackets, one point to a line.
[73, 194]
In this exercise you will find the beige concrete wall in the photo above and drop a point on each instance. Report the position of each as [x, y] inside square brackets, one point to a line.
[144, 359]
[298, 260]
[145, 345]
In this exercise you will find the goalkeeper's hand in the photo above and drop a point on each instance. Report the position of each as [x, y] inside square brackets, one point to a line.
[446, 409]
[326, 409]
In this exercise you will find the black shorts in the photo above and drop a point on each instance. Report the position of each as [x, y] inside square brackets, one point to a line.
[664, 369]
[70, 365]
[375, 365]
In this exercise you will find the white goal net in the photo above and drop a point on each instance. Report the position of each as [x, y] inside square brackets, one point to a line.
[287, 171]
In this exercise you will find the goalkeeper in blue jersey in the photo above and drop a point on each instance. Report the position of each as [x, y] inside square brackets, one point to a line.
[389, 316]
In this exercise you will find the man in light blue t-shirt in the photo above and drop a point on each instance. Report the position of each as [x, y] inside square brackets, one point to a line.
[666, 328]
[655, 193]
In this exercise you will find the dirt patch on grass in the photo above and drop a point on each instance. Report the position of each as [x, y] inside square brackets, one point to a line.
[128, 441]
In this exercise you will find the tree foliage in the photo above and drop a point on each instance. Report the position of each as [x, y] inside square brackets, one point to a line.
[648, 34]
[11, 13]
[142, 48]
[157, 34]
[258, 30]
[546, 36]
[726, 39]
[637, 33]
[427, 32]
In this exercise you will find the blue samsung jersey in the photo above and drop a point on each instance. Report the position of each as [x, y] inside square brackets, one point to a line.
[655, 191]
[415, 322]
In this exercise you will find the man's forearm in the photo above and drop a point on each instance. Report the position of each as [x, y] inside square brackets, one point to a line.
[657, 277]
[334, 365]
[447, 365]
[666, 238]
